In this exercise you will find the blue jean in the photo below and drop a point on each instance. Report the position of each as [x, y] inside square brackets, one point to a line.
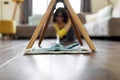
[70, 35]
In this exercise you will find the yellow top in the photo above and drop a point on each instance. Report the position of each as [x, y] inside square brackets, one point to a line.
[60, 32]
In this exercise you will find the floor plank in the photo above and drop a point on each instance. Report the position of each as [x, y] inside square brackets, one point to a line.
[102, 65]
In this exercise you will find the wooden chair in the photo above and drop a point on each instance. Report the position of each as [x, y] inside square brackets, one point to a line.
[8, 27]
[41, 28]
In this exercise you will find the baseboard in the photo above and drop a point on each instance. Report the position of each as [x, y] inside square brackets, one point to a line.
[114, 38]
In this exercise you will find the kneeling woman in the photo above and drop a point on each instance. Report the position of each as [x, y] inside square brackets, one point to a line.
[62, 25]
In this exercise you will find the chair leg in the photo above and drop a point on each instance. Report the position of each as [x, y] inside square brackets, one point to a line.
[6, 37]
[15, 9]
[79, 25]
[40, 26]
[78, 34]
[76, 31]
[44, 29]
[2, 36]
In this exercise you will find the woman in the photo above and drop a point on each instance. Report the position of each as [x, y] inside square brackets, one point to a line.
[62, 25]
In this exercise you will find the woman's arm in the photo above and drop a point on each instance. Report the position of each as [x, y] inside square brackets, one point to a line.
[63, 31]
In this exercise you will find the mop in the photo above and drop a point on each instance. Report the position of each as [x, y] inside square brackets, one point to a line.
[59, 49]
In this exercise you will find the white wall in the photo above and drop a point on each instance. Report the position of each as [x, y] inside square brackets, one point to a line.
[98, 4]
[7, 10]
[0, 8]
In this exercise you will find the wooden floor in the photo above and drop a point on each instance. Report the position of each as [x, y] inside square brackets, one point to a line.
[102, 65]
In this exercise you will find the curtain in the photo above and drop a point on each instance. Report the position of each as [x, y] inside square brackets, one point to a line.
[26, 11]
[86, 6]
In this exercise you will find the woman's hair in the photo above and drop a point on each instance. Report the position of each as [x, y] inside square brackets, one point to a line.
[64, 14]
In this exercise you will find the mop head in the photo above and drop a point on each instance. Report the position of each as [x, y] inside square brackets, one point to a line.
[58, 49]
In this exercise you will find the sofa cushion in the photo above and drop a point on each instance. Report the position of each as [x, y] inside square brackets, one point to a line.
[116, 9]
[98, 28]
[35, 19]
[105, 12]
[7, 26]
[26, 31]
[91, 17]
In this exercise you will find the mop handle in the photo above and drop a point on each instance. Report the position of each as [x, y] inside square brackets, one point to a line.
[58, 39]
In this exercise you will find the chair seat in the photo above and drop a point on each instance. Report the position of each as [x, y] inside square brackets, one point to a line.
[18, 1]
[7, 27]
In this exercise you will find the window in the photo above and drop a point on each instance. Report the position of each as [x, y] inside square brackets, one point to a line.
[40, 6]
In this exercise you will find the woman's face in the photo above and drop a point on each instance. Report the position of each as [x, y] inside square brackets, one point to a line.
[59, 18]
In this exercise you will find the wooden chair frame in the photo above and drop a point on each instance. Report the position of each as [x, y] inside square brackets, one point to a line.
[77, 25]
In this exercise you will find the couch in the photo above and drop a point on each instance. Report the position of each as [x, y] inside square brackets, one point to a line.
[26, 31]
[104, 23]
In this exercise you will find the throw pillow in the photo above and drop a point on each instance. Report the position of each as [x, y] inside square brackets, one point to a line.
[105, 12]
[116, 9]
[91, 17]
